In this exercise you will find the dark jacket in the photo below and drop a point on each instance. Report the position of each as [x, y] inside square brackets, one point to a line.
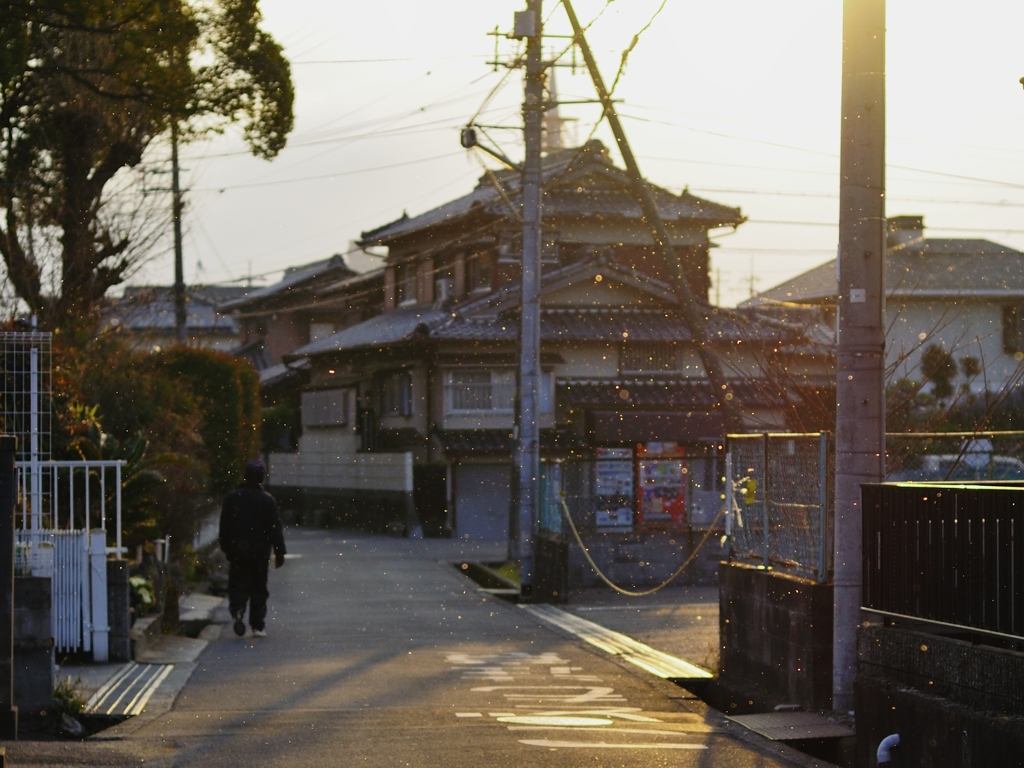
[250, 524]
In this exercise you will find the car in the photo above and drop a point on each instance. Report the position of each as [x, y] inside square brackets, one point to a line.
[959, 468]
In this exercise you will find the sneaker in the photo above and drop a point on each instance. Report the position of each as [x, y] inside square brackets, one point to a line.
[259, 633]
[239, 627]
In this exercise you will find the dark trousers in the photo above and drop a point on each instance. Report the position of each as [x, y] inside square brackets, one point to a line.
[247, 583]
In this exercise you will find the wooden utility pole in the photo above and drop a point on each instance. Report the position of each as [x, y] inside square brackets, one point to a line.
[179, 266]
[695, 313]
[528, 25]
[860, 361]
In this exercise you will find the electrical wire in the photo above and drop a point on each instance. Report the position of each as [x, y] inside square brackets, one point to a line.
[327, 175]
[629, 592]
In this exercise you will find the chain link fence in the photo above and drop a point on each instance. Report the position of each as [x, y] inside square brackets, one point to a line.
[780, 499]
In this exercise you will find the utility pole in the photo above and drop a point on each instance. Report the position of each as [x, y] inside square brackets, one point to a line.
[179, 267]
[528, 24]
[696, 314]
[860, 361]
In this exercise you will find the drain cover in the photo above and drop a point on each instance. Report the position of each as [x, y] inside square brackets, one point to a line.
[783, 726]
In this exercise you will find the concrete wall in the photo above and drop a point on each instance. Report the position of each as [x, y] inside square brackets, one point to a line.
[33, 645]
[328, 470]
[954, 703]
[776, 635]
[642, 559]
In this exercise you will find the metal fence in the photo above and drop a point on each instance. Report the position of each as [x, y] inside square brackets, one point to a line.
[954, 456]
[65, 512]
[946, 553]
[780, 501]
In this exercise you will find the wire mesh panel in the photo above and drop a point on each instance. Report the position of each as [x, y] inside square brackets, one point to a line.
[746, 486]
[797, 487]
[25, 381]
[781, 501]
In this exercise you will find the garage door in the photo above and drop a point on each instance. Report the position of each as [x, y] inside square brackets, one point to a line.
[482, 497]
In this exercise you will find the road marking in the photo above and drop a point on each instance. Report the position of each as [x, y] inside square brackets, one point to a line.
[604, 745]
[556, 720]
[469, 714]
[616, 644]
[645, 731]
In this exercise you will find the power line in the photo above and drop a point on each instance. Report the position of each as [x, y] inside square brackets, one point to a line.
[821, 153]
[987, 230]
[832, 195]
[327, 175]
[381, 61]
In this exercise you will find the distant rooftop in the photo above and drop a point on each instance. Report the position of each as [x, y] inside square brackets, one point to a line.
[918, 266]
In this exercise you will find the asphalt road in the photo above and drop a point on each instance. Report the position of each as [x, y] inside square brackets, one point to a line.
[381, 654]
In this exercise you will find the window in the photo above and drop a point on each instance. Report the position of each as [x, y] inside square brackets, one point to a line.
[477, 391]
[405, 283]
[1013, 329]
[647, 357]
[325, 408]
[396, 394]
[480, 272]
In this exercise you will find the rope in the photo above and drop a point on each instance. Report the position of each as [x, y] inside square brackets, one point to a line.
[616, 587]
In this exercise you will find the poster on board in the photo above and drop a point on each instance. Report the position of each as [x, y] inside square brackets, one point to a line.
[613, 488]
[662, 485]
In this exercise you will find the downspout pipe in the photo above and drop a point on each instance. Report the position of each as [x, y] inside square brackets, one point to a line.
[885, 747]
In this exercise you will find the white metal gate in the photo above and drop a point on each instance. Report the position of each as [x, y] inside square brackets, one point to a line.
[66, 509]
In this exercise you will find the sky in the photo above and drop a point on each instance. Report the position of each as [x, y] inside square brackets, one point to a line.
[738, 100]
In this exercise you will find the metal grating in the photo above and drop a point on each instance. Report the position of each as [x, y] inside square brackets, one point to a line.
[129, 691]
[25, 382]
[787, 726]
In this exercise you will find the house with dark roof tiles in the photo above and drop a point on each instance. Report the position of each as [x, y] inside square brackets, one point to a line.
[420, 399]
[965, 296]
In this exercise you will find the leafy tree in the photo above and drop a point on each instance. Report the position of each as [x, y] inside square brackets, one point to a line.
[938, 367]
[85, 87]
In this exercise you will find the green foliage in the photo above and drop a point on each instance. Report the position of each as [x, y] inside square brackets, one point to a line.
[938, 367]
[185, 421]
[143, 597]
[68, 694]
[227, 397]
[280, 423]
[85, 88]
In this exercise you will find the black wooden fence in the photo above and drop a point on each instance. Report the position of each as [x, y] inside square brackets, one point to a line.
[946, 553]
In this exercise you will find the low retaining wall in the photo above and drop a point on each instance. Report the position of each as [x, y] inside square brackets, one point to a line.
[371, 511]
[33, 645]
[776, 635]
[955, 704]
[643, 559]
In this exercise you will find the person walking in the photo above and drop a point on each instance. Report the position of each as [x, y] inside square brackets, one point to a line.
[250, 526]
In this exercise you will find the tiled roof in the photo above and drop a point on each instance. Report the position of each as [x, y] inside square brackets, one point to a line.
[931, 267]
[389, 328]
[151, 309]
[670, 393]
[296, 280]
[566, 168]
[600, 324]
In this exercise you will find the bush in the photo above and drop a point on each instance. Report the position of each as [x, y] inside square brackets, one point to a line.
[227, 397]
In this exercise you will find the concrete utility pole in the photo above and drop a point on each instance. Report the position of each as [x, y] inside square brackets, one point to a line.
[860, 361]
[695, 313]
[179, 266]
[528, 25]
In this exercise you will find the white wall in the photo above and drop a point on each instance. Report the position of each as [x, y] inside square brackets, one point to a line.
[966, 327]
[360, 471]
